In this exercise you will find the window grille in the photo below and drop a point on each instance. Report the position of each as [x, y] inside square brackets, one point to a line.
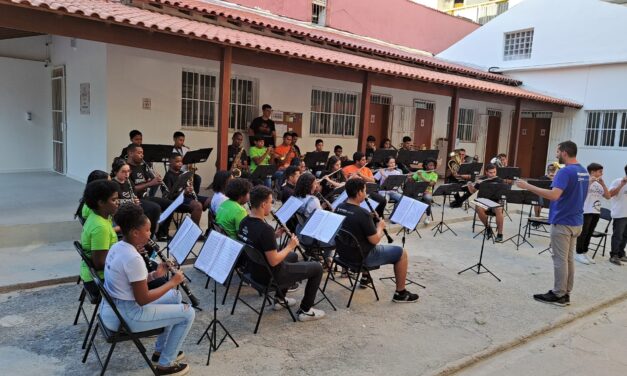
[198, 100]
[424, 105]
[518, 45]
[333, 113]
[319, 12]
[243, 105]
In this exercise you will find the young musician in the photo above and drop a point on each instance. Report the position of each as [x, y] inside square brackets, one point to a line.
[359, 170]
[232, 211]
[263, 126]
[371, 147]
[567, 195]
[291, 175]
[489, 178]
[136, 138]
[120, 172]
[181, 149]
[193, 205]
[550, 174]
[461, 179]
[284, 155]
[359, 222]
[233, 149]
[126, 280]
[284, 263]
[597, 190]
[430, 176]
[83, 211]
[332, 177]
[389, 170]
[296, 148]
[260, 156]
[305, 190]
[98, 235]
[407, 145]
[220, 180]
[500, 160]
[618, 202]
[386, 144]
[319, 145]
[337, 150]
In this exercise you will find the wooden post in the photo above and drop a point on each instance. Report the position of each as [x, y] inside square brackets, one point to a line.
[223, 109]
[364, 114]
[513, 136]
[452, 129]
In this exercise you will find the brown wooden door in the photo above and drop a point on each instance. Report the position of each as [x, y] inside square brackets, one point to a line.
[533, 141]
[378, 122]
[492, 138]
[423, 128]
[525, 145]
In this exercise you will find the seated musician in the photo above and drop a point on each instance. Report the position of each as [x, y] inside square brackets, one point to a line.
[126, 280]
[407, 144]
[332, 176]
[371, 147]
[389, 170]
[232, 211]
[430, 176]
[233, 150]
[98, 235]
[120, 172]
[181, 149]
[454, 177]
[296, 148]
[359, 170]
[319, 145]
[283, 156]
[260, 156]
[551, 170]
[193, 206]
[337, 151]
[142, 179]
[292, 173]
[83, 211]
[220, 180]
[286, 268]
[359, 222]
[489, 178]
[386, 144]
[500, 160]
[136, 138]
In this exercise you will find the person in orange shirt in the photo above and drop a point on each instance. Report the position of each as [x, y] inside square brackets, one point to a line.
[284, 155]
[359, 170]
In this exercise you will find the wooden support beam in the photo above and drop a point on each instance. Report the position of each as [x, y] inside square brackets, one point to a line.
[364, 114]
[223, 109]
[513, 135]
[452, 129]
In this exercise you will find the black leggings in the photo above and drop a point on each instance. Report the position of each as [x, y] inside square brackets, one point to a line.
[590, 221]
[163, 204]
[152, 211]
[292, 270]
[381, 201]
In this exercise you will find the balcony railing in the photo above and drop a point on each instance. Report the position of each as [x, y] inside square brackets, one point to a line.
[480, 13]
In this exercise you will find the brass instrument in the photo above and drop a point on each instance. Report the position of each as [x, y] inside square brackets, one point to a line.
[236, 172]
[455, 162]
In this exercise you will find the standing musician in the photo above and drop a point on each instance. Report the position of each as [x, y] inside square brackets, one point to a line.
[389, 170]
[263, 125]
[591, 211]
[489, 178]
[359, 222]
[337, 150]
[136, 138]
[618, 205]
[292, 173]
[192, 203]
[459, 156]
[430, 176]
[371, 147]
[126, 280]
[181, 149]
[260, 156]
[286, 268]
[98, 235]
[231, 212]
[220, 180]
[120, 172]
[359, 170]
[333, 177]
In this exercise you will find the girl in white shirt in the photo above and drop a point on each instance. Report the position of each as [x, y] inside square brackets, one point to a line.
[126, 280]
[220, 180]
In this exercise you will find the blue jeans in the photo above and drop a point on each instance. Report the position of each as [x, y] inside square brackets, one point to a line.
[166, 312]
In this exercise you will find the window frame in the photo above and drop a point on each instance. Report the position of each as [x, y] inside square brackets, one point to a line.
[330, 115]
[212, 100]
[514, 44]
[603, 133]
[235, 108]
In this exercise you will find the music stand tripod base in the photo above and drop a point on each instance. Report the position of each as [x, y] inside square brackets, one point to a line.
[444, 191]
[214, 345]
[480, 265]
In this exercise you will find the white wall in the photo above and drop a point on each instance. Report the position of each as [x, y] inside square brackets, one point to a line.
[29, 48]
[25, 145]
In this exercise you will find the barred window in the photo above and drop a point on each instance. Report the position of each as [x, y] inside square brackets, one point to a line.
[465, 124]
[243, 103]
[333, 113]
[319, 12]
[622, 138]
[518, 45]
[198, 100]
[601, 128]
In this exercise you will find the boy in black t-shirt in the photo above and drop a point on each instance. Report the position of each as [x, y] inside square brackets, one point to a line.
[286, 268]
[359, 222]
[194, 205]
[291, 175]
[489, 178]
[263, 125]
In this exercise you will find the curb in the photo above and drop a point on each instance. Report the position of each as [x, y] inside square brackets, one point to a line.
[36, 284]
[471, 360]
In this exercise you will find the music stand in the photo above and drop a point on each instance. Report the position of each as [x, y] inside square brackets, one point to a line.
[316, 160]
[180, 184]
[488, 204]
[523, 198]
[508, 173]
[372, 188]
[346, 163]
[197, 156]
[217, 265]
[491, 191]
[472, 169]
[267, 140]
[263, 171]
[157, 153]
[380, 155]
[183, 241]
[413, 189]
[444, 190]
[393, 182]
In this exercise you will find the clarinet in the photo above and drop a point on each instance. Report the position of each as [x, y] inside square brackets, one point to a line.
[284, 227]
[377, 219]
[155, 247]
[324, 201]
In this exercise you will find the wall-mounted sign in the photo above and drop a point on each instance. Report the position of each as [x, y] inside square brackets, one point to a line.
[146, 103]
[523, 131]
[372, 118]
[542, 132]
[84, 98]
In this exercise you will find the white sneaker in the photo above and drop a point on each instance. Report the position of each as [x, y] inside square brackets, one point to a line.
[427, 220]
[582, 259]
[290, 302]
[590, 260]
[312, 314]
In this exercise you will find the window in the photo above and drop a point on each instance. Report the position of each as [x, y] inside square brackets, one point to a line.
[333, 113]
[198, 100]
[518, 45]
[383, 99]
[319, 12]
[424, 105]
[465, 124]
[601, 128]
[243, 103]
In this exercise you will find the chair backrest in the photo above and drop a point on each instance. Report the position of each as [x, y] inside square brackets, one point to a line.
[256, 257]
[347, 246]
[103, 292]
[606, 214]
[81, 252]
[216, 227]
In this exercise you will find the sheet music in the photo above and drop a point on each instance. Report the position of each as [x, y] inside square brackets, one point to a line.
[173, 206]
[322, 225]
[408, 212]
[344, 196]
[218, 256]
[287, 210]
[184, 240]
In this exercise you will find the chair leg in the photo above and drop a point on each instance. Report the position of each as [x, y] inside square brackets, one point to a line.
[376, 294]
[353, 290]
[91, 324]
[228, 286]
[81, 299]
[106, 363]
[263, 306]
[91, 342]
[142, 350]
[326, 280]
[239, 288]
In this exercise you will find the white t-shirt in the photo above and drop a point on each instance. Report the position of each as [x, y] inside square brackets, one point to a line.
[592, 205]
[310, 204]
[619, 202]
[217, 200]
[123, 266]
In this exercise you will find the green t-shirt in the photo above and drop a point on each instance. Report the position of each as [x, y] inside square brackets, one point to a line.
[229, 215]
[426, 176]
[86, 212]
[256, 152]
[98, 234]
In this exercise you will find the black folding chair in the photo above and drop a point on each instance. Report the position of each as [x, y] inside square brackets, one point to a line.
[606, 215]
[264, 284]
[348, 248]
[313, 251]
[94, 299]
[123, 334]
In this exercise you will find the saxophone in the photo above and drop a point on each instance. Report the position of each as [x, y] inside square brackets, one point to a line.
[236, 172]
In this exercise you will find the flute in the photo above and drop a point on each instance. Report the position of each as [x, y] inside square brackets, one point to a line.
[377, 219]
[328, 175]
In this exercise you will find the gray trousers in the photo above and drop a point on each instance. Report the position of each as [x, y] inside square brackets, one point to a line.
[563, 241]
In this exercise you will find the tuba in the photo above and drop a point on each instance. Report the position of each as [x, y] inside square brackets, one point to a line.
[454, 162]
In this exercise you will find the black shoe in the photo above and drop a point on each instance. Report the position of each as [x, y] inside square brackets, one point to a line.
[456, 204]
[364, 281]
[156, 356]
[499, 238]
[176, 369]
[293, 287]
[551, 298]
[405, 297]
[162, 237]
[488, 233]
[615, 260]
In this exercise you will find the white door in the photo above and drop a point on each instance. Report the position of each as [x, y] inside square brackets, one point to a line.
[58, 119]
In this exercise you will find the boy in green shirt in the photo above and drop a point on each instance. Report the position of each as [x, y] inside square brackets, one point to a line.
[260, 156]
[430, 176]
[231, 212]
